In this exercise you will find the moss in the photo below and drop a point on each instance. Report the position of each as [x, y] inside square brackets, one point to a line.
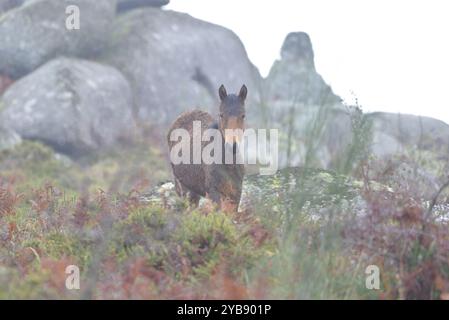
[113, 170]
[32, 286]
[28, 154]
[37, 163]
[172, 242]
[146, 232]
[325, 177]
[289, 188]
[207, 240]
[58, 245]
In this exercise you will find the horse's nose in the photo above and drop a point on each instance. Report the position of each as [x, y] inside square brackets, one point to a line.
[232, 137]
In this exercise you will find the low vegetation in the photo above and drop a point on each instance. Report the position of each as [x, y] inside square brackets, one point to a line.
[314, 241]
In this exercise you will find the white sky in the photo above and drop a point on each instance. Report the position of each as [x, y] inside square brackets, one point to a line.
[392, 54]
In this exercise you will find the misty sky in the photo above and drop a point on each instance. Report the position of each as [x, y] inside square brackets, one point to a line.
[392, 55]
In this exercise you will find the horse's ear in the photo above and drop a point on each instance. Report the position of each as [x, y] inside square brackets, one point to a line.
[243, 92]
[222, 92]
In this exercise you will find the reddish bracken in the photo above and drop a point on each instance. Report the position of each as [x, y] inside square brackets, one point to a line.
[8, 199]
[409, 245]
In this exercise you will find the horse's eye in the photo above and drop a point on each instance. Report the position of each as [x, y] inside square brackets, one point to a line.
[243, 116]
[221, 115]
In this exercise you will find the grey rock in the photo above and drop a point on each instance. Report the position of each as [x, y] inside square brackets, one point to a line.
[36, 32]
[125, 5]
[6, 5]
[311, 135]
[316, 129]
[384, 145]
[293, 78]
[321, 135]
[76, 106]
[176, 63]
[413, 131]
[299, 103]
[298, 47]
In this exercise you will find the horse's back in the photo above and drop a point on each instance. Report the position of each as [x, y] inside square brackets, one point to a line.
[190, 175]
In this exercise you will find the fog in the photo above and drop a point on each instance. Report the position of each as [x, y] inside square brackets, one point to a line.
[391, 55]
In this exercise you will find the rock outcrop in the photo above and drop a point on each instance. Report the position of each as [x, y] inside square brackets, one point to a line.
[36, 32]
[317, 127]
[303, 107]
[164, 63]
[76, 106]
[409, 130]
[293, 78]
[6, 5]
[126, 5]
[163, 53]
